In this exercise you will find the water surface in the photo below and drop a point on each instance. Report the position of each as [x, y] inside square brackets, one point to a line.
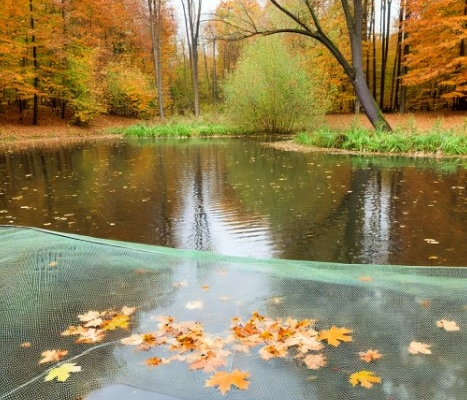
[240, 197]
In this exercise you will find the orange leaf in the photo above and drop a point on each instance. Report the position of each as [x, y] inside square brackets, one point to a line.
[370, 355]
[334, 335]
[52, 355]
[224, 380]
[153, 361]
[365, 378]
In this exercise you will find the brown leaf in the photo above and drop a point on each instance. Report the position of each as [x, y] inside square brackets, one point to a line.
[153, 361]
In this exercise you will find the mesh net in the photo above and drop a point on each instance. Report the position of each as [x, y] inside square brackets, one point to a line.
[199, 313]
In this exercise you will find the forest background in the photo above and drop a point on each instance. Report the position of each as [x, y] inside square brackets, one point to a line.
[151, 59]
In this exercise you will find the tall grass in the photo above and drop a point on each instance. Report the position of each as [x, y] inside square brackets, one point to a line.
[176, 130]
[437, 140]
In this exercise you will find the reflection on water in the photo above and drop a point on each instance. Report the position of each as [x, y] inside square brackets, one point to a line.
[236, 196]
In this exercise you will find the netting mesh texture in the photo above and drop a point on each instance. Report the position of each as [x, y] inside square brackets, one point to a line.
[254, 316]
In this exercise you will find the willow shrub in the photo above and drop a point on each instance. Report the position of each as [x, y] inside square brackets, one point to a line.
[269, 92]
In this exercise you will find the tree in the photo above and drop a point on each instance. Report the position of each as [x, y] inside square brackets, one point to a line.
[305, 18]
[192, 17]
[270, 95]
[436, 31]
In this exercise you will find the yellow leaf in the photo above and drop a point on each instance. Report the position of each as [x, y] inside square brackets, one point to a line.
[334, 335]
[224, 380]
[118, 321]
[62, 373]
[450, 326]
[365, 378]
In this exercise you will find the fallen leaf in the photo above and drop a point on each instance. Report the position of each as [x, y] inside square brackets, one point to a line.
[91, 335]
[370, 355]
[26, 345]
[273, 350]
[62, 373]
[127, 310]
[74, 330]
[224, 380]
[52, 356]
[117, 321]
[431, 241]
[450, 326]
[194, 305]
[205, 287]
[365, 279]
[133, 340]
[153, 361]
[208, 363]
[365, 378]
[89, 316]
[419, 347]
[335, 335]
[314, 361]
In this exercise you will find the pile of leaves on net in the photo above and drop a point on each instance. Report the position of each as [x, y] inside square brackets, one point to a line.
[188, 343]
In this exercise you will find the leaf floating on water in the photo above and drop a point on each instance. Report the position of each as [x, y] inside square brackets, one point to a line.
[450, 326]
[364, 378]
[62, 373]
[335, 335]
[224, 380]
[419, 348]
[431, 241]
[315, 361]
[52, 355]
[153, 361]
[370, 355]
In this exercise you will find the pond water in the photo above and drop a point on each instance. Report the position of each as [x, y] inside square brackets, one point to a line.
[241, 197]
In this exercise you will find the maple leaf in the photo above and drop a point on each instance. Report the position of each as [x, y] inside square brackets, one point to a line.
[314, 361]
[117, 321]
[62, 373]
[91, 336]
[273, 350]
[208, 362]
[365, 378]
[419, 347]
[52, 355]
[370, 355]
[334, 335]
[89, 316]
[153, 361]
[450, 326]
[224, 380]
[127, 310]
[133, 340]
[74, 330]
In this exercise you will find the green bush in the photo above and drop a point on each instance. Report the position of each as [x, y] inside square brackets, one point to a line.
[269, 92]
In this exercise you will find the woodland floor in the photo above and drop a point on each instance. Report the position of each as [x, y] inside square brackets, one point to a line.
[52, 130]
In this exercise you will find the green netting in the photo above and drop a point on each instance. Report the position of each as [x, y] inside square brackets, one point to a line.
[48, 279]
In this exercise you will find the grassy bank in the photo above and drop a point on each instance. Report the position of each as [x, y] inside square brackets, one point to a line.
[436, 140]
[177, 130]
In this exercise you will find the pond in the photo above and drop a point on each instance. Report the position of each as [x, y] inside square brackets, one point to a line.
[242, 197]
